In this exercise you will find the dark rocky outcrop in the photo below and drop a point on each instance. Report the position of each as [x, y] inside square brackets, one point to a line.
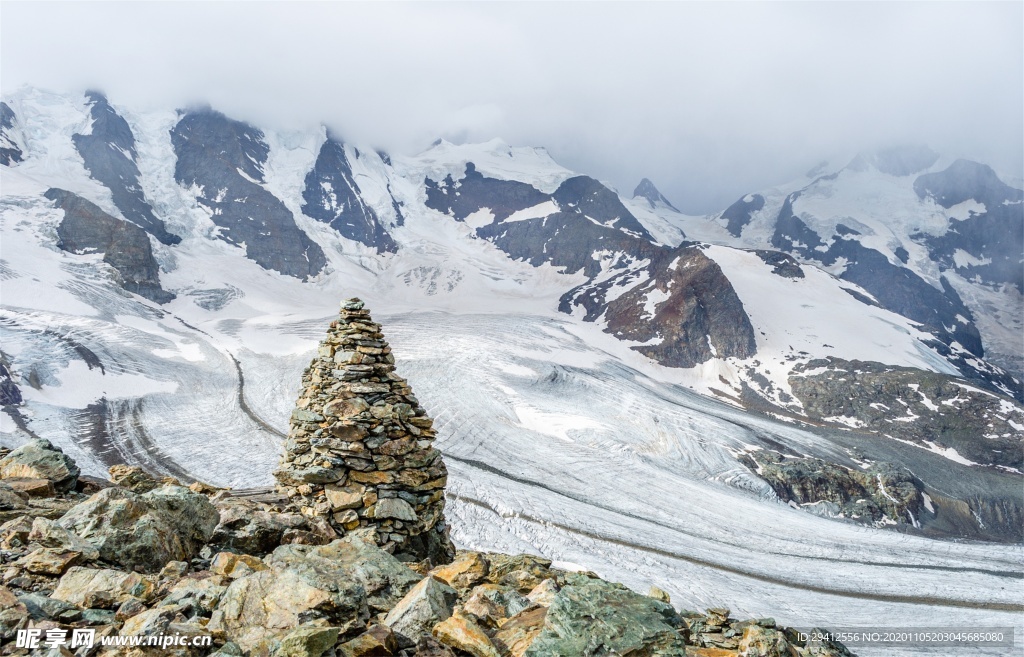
[590, 231]
[782, 264]
[125, 247]
[926, 408]
[359, 452]
[700, 317]
[10, 394]
[10, 151]
[474, 191]
[223, 160]
[332, 196]
[881, 493]
[992, 237]
[646, 190]
[109, 154]
[741, 212]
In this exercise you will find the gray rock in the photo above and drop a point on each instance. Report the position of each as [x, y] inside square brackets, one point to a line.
[40, 459]
[594, 617]
[393, 507]
[49, 534]
[41, 607]
[144, 531]
[337, 584]
[424, 606]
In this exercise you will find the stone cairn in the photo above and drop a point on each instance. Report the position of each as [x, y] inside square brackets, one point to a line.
[359, 453]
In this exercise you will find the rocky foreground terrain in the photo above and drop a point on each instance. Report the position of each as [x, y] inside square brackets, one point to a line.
[348, 557]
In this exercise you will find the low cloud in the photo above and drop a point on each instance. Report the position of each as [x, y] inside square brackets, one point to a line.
[709, 100]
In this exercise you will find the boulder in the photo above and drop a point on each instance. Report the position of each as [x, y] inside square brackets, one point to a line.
[78, 583]
[378, 641]
[424, 606]
[47, 533]
[40, 459]
[517, 633]
[462, 633]
[48, 561]
[13, 614]
[594, 617]
[246, 527]
[307, 642]
[41, 607]
[492, 603]
[133, 478]
[145, 531]
[337, 584]
[11, 499]
[468, 569]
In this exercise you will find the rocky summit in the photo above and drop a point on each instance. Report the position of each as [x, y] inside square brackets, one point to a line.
[360, 450]
[350, 557]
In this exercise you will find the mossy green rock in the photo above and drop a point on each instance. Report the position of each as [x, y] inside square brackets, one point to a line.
[594, 617]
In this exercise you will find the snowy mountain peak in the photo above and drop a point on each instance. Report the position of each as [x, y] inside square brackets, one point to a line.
[647, 190]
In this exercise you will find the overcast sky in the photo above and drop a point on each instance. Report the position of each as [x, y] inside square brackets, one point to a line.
[709, 100]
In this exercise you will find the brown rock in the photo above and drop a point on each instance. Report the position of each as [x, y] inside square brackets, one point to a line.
[233, 565]
[462, 633]
[31, 487]
[468, 569]
[518, 632]
[49, 561]
[345, 497]
[378, 641]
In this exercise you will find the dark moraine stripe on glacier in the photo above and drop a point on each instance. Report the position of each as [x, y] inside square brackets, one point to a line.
[332, 196]
[109, 154]
[9, 150]
[224, 159]
[993, 238]
[125, 247]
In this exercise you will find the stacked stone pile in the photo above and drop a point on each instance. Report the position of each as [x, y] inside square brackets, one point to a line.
[359, 452]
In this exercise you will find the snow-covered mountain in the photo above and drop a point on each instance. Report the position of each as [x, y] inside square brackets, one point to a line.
[165, 275]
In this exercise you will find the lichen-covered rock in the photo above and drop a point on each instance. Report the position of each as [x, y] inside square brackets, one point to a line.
[49, 534]
[338, 584]
[40, 459]
[78, 583]
[594, 617]
[144, 531]
[307, 641]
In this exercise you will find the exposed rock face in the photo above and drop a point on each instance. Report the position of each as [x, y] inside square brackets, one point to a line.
[222, 160]
[740, 213]
[144, 531]
[332, 196]
[872, 496]
[474, 191]
[691, 306]
[9, 391]
[10, 152]
[108, 152]
[40, 459]
[125, 247]
[993, 234]
[594, 617]
[646, 190]
[929, 409]
[359, 451]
